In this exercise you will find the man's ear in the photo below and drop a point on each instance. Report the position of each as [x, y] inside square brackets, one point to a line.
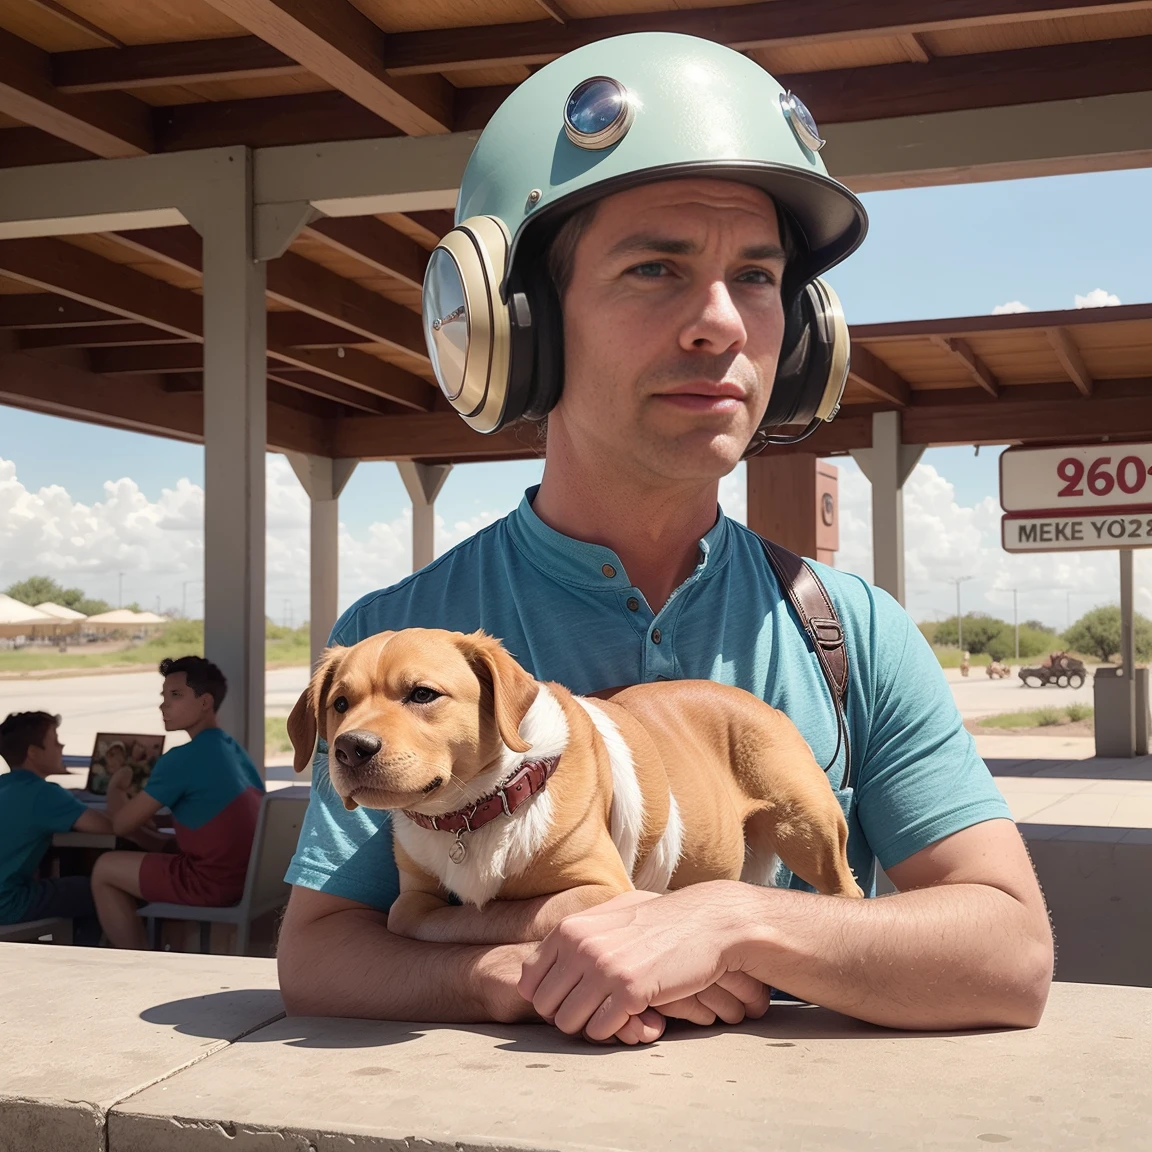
[513, 690]
[306, 725]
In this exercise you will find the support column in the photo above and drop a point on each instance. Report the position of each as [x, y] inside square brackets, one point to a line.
[793, 500]
[423, 482]
[887, 464]
[235, 435]
[1128, 640]
[323, 479]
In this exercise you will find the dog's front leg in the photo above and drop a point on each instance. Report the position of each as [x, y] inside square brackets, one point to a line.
[411, 910]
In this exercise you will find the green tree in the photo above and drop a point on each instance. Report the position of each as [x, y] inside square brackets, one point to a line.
[38, 589]
[90, 607]
[981, 634]
[1098, 633]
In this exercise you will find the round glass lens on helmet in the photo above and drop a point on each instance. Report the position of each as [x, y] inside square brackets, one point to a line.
[598, 113]
[446, 324]
[801, 121]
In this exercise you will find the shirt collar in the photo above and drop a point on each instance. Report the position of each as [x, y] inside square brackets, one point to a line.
[587, 565]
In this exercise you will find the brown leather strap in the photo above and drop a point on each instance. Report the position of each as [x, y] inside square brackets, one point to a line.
[516, 790]
[811, 602]
[817, 614]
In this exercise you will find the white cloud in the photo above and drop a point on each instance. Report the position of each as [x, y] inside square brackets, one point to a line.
[1011, 306]
[1098, 298]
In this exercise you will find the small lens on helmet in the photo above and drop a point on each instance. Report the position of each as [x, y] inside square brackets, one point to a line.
[446, 323]
[801, 121]
[598, 113]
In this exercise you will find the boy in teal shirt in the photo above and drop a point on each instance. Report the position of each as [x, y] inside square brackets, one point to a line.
[32, 808]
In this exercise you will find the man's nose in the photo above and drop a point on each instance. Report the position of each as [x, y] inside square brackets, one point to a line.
[718, 324]
[353, 748]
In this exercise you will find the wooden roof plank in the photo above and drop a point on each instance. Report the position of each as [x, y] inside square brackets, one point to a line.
[336, 42]
[878, 378]
[376, 244]
[158, 65]
[1069, 356]
[109, 124]
[747, 26]
[46, 310]
[981, 375]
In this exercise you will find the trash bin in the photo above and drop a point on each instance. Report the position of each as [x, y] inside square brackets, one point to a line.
[1110, 698]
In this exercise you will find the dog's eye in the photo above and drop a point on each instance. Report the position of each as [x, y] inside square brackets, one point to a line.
[423, 695]
[340, 704]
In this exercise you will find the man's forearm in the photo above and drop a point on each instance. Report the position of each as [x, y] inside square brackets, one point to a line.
[953, 956]
[349, 964]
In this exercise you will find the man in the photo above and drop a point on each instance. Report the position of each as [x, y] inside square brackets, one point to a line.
[32, 808]
[213, 791]
[676, 230]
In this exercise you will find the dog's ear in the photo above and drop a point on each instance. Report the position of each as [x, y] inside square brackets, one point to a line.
[306, 725]
[513, 690]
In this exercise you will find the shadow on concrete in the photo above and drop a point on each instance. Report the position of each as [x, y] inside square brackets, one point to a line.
[229, 1015]
[1094, 768]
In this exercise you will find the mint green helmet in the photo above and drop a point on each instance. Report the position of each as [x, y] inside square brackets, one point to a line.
[609, 116]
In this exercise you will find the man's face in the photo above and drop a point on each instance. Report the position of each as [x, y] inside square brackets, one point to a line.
[179, 705]
[672, 326]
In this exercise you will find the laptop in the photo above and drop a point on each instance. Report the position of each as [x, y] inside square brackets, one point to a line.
[112, 751]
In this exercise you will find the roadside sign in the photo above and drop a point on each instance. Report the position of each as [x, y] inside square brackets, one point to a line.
[1098, 477]
[1037, 532]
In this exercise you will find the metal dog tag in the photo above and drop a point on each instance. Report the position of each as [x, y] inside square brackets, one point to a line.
[458, 850]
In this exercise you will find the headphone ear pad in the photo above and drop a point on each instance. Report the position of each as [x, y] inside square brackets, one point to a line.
[542, 388]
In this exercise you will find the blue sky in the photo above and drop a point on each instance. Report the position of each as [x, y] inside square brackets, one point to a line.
[931, 252]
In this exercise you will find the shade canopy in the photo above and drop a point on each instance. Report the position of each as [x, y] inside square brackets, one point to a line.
[59, 612]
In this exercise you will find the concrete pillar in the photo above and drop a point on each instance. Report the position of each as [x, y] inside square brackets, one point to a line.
[1128, 639]
[235, 419]
[423, 482]
[323, 479]
[793, 500]
[887, 464]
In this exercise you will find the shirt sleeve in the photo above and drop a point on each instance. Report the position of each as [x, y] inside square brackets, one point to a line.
[166, 784]
[921, 778]
[56, 809]
[344, 853]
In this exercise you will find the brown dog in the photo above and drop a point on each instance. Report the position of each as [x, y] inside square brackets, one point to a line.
[506, 788]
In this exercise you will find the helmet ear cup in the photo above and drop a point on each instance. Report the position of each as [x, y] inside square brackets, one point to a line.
[812, 369]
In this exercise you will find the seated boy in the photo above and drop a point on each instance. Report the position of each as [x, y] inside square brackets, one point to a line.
[213, 791]
[32, 808]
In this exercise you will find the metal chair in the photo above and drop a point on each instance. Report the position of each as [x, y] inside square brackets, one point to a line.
[33, 931]
[277, 830]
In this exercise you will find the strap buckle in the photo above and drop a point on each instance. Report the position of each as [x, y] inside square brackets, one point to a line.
[828, 632]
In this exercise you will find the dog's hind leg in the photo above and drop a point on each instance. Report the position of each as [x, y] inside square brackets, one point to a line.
[811, 842]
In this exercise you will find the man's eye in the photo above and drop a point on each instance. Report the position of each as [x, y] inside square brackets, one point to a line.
[340, 704]
[652, 270]
[423, 695]
[757, 276]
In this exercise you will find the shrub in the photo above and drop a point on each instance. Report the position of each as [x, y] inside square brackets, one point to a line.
[1047, 717]
[1098, 633]
[1079, 712]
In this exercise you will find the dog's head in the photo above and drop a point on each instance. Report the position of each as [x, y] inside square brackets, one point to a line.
[411, 717]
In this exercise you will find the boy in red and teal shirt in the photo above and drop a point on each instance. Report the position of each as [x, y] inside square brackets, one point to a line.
[213, 791]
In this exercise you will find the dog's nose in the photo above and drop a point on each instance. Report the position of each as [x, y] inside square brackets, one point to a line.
[353, 748]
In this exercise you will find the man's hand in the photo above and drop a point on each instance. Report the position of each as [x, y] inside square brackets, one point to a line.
[599, 970]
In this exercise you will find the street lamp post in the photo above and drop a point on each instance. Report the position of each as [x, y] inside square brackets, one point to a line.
[958, 580]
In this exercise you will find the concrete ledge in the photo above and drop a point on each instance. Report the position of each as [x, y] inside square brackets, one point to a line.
[1097, 883]
[802, 1078]
[83, 1028]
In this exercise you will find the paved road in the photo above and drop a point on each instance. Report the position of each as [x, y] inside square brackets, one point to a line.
[124, 702]
[128, 702]
[978, 696]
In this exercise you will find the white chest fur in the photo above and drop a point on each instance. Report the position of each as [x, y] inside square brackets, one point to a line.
[503, 847]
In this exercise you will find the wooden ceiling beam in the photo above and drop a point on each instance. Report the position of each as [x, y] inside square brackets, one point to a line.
[363, 371]
[46, 310]
[437, 434]
[110, 124]
[961, 351]
[161, 65]
[375, 244]
[77, 22]
[339, 44]
[302, 285]
[1009, 322]
[1071, 359]
[140, 405]
[96, 336]
[776, 24]
[327, 389]
[268, 122]
[869, 371]
[67, 270]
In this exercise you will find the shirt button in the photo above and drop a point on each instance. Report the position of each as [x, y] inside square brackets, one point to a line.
[608, 571]
[655, 635]
[633, 604]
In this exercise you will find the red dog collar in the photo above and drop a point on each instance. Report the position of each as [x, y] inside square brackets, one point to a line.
[529, 779]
